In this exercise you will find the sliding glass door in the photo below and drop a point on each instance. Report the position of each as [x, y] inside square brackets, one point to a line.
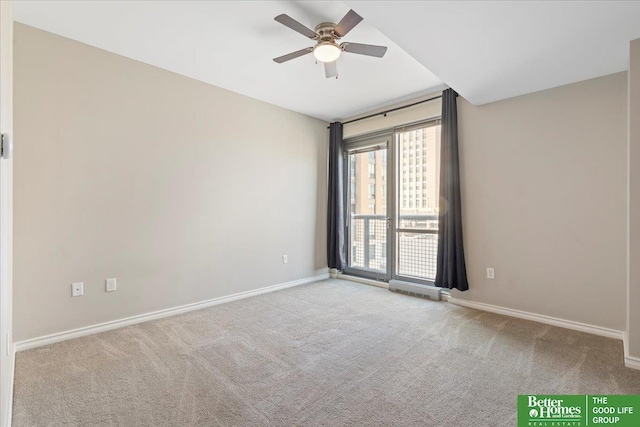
[368, 218]
[392, 182]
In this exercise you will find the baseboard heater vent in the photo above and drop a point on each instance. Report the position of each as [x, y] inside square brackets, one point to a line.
[414, 289]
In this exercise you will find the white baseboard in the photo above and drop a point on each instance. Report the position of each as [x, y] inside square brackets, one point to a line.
[632, 362]
[541, 318]
[114, 324]
[6, 418]
[370, 282]
[629, 361]
[11, 380]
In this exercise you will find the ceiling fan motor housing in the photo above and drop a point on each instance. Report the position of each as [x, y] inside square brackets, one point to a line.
[325, 32]
[326, 48]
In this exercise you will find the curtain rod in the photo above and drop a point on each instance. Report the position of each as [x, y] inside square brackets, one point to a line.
[384, 113]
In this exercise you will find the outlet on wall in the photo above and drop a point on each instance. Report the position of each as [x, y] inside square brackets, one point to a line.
[77, 289]
[491, 274]
[285, 259]
[110, 285]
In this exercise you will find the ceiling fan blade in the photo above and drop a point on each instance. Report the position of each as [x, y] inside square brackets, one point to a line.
[293, 55]
[365, 49]
[346, 24]
[331, 69]
[288, 21]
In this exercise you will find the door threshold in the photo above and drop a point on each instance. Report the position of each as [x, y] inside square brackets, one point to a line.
[370, 282]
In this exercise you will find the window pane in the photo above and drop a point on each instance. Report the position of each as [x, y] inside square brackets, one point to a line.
[417, 254]
[421, 209]
[418, 202]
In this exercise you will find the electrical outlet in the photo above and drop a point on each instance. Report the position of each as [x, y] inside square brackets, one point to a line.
[77, 289]
[110, 285]
[285, 259]
[491, 274]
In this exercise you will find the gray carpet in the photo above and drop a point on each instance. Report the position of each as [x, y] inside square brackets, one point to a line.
[332, 353]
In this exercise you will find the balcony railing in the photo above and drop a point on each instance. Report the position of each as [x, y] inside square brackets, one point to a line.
[368, 242]
[417, 244]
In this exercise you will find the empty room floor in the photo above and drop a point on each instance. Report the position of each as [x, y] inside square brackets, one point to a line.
[330, 353]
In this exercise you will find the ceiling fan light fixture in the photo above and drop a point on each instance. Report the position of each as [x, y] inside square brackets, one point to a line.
[327, 51]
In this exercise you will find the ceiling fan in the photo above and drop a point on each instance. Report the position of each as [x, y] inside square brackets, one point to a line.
[326, 34]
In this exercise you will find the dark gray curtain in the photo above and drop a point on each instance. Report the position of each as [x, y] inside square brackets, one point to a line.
[336, 256]
[451, 271]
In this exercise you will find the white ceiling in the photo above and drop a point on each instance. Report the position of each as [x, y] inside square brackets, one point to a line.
[489, 51]
[485, 50]
[231, 44]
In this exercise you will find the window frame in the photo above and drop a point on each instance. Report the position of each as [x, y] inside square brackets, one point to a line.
[385, 138]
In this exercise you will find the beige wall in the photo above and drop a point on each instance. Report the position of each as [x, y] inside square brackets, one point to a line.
[181, 190]
[633, 328]
[544, 201]
[544, 198]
